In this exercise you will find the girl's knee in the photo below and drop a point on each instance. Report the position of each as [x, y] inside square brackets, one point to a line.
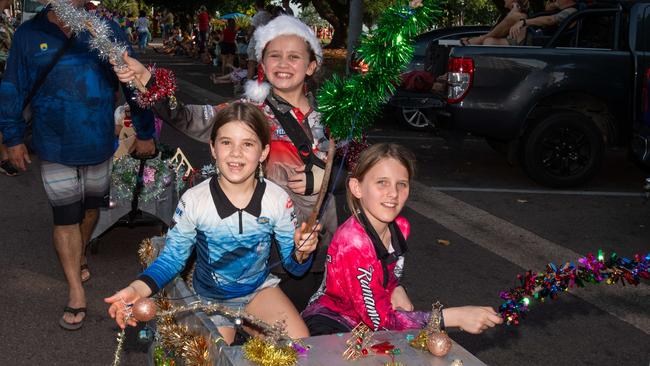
[298, 329]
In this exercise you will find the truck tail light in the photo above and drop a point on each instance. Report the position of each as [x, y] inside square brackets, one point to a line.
[460, 75]
[644, 94]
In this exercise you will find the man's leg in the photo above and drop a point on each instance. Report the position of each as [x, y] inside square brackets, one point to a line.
[86, 227]
[68, 244]
[502, 29]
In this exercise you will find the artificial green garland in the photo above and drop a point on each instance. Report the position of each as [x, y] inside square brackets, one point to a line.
[349, 106]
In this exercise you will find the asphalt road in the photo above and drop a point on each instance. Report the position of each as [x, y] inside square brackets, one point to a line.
[498, 224]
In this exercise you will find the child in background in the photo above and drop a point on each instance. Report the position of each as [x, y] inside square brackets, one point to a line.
[365, 259]
[230, 219]
[288, 53]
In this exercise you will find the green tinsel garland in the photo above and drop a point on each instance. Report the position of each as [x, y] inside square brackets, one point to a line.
[349, 106]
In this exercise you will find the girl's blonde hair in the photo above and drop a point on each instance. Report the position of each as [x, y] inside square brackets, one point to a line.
[371, 157]
[244, 112]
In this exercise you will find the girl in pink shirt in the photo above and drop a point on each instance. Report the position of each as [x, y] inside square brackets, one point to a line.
[366, 256]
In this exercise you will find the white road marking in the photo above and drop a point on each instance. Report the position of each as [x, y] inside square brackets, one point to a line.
[528, 251]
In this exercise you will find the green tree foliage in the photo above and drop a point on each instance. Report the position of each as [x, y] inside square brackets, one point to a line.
[122, 6]
[469, 12]
[310, 17]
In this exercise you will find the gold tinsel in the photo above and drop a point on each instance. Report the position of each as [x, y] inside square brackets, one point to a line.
[195, 351]
[420, 342]
[146, 253]
[266, 354]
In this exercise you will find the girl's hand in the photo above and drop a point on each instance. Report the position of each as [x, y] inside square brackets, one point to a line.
[473, 319]
[306, 241]
[132, 70]
[121, 304]
[297, 183]
[400, 300]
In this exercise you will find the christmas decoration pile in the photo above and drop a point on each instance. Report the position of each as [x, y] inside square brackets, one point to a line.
[433, 338]
[157, 175]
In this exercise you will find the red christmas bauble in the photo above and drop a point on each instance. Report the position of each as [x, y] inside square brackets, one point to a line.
[144, 309]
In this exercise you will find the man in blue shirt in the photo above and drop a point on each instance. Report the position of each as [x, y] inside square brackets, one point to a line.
[73, 134]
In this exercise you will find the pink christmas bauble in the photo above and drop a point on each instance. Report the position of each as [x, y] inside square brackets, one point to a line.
[144, 309]
[438, 343]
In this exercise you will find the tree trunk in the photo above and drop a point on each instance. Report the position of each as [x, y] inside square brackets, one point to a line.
[335, 13]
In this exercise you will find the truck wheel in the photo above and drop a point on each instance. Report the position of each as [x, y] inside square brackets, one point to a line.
[416, 119]
[564, 150]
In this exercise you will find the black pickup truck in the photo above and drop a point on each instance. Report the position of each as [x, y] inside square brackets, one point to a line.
[556, 106]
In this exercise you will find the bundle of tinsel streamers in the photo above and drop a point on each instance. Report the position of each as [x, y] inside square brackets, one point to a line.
[555, 280]
[158, 174]
[78, 21]
[349, 106]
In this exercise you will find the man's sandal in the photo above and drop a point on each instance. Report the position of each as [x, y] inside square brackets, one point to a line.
[74, 311]
[84, 268]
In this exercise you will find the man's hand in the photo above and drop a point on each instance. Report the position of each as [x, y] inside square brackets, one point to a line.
[19, 156]
[143, 148]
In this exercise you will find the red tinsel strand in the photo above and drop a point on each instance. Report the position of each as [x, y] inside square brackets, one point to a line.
[559, 279]
[164, 87]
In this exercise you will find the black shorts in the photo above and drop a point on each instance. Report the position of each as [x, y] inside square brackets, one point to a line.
[228, 48]
[322, 325]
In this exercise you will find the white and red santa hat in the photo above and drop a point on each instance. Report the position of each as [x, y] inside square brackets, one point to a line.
[284, 25]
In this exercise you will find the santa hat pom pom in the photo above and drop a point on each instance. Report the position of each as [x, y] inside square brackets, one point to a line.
[256, 91]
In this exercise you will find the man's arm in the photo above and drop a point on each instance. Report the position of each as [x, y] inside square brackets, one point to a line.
[13, 91]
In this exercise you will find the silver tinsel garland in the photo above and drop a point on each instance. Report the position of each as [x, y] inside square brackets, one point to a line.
[103, 40]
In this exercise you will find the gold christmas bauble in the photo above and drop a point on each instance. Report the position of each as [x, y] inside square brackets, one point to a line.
[438, 343]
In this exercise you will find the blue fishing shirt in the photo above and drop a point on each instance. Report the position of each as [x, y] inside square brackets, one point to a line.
[72, 111]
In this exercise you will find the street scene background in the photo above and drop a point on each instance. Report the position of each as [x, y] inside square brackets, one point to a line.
[477, 222]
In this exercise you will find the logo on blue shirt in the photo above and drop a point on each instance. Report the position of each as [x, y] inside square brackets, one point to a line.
[43, 46]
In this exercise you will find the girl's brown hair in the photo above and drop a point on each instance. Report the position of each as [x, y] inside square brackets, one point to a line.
[244, 112]
[373, 155]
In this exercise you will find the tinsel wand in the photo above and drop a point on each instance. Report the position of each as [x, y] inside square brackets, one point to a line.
[103, 40]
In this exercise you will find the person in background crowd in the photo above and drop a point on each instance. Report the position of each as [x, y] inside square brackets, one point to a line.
[286, 6]
[228, 46]
[168, 23]
[73, 134]
[6, 34]
[142, 27]
[518, 9]
[204, 27]
[260, 18]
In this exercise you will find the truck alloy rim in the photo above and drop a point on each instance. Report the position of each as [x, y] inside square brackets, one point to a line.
[565, 151]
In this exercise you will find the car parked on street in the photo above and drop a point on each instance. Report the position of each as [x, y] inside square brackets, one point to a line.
[555, 107]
